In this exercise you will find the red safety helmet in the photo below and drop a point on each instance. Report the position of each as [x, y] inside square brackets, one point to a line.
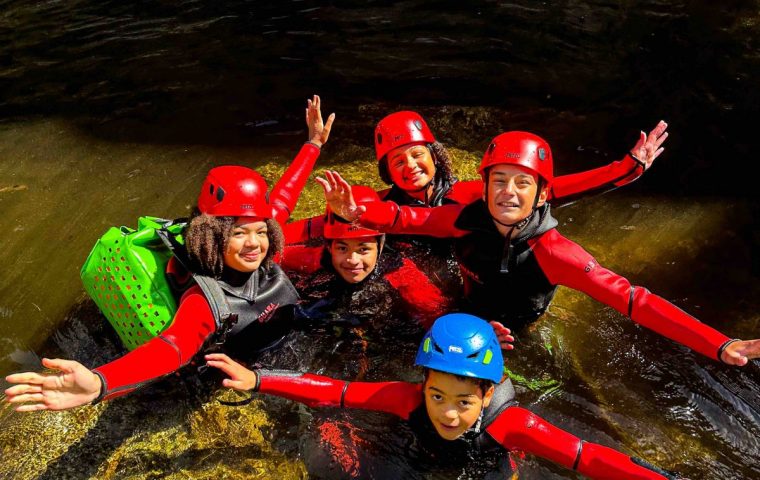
[400, 128]
[234, 191]
[520, 148]
[335, 227]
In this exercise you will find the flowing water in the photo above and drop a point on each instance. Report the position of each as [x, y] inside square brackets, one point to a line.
[112, 110]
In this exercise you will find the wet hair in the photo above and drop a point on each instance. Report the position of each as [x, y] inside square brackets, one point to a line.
[207, 237]
[444, 173]
[483, 383]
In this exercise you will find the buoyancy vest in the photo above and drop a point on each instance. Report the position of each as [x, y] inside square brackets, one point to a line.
[475, 440]
[329, 298]
[441, 188]
[264, 304]
[517, 297]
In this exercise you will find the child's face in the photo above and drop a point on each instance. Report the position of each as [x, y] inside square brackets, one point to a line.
[248, 244]
[453, 404]
[354, 258]
[511, 191]
[411, 168]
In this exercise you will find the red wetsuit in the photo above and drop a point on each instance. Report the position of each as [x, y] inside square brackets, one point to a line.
[511, 427]
[420, 297]
[565, 189]
[194, 323]
[515, 282]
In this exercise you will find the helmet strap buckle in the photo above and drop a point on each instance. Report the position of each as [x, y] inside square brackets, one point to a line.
[476, 428]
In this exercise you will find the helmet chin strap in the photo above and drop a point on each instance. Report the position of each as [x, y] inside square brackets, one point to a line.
[476, 428]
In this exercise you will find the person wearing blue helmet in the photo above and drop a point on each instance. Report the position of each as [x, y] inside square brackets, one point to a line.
[464, 407]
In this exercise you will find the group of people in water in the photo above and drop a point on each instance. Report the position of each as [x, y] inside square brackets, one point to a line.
[499, 230]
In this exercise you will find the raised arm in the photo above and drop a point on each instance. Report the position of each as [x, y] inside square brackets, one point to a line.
[286, 191]
[568, 188]
[389, 217]
[519, 429]
[566, 263]
[397, 398]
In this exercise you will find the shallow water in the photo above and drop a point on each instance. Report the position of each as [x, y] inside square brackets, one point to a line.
[584, 366]
[111, 111]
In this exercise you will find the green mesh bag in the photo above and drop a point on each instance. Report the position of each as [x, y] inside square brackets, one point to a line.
[125, 274]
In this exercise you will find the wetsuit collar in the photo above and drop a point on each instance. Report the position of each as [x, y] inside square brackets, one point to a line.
[440, 189]
[240, 284]
[476, 217]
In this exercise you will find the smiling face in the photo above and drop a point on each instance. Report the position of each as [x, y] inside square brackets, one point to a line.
[511, 192]
[248, 244]
[411, 168]
[454, 404]
[354, 258]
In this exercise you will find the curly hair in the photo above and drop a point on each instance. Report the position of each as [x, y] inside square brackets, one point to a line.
[444, 172]
[207, 237]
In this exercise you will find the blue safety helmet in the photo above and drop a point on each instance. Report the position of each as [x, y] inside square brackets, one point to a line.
[464, 345]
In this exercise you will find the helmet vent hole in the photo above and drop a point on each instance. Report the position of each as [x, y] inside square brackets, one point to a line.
[220, 194]
[491, 148]
[437, 348]
[473, 355]
[211, 189]
[379, 138]
[418, 124]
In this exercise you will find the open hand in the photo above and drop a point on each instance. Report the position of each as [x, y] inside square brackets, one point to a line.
[318, 131]
[740, 352]
[241, 378]
[72, 386]
[503, 334]
[648, 147]
[339, 197]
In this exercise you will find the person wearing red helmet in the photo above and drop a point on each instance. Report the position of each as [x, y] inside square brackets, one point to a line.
[418, 168]
[349, 276]
[231, 240]
[512, 257]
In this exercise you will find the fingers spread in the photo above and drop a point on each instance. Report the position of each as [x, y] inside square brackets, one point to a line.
[22, 389]
[27, 397]
[66, 366]
[26, 377]
[32, 407]
[223, 366]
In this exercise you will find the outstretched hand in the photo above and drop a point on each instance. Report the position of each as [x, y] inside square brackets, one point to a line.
[72, 386]
[241, 378]
[339, 197]
[740, 352]
[503, 334]
[648, 147]
[318, 130]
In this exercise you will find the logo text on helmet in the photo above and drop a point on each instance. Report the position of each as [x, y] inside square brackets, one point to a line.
[512, 155]
[454, 348]
[246, 206]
